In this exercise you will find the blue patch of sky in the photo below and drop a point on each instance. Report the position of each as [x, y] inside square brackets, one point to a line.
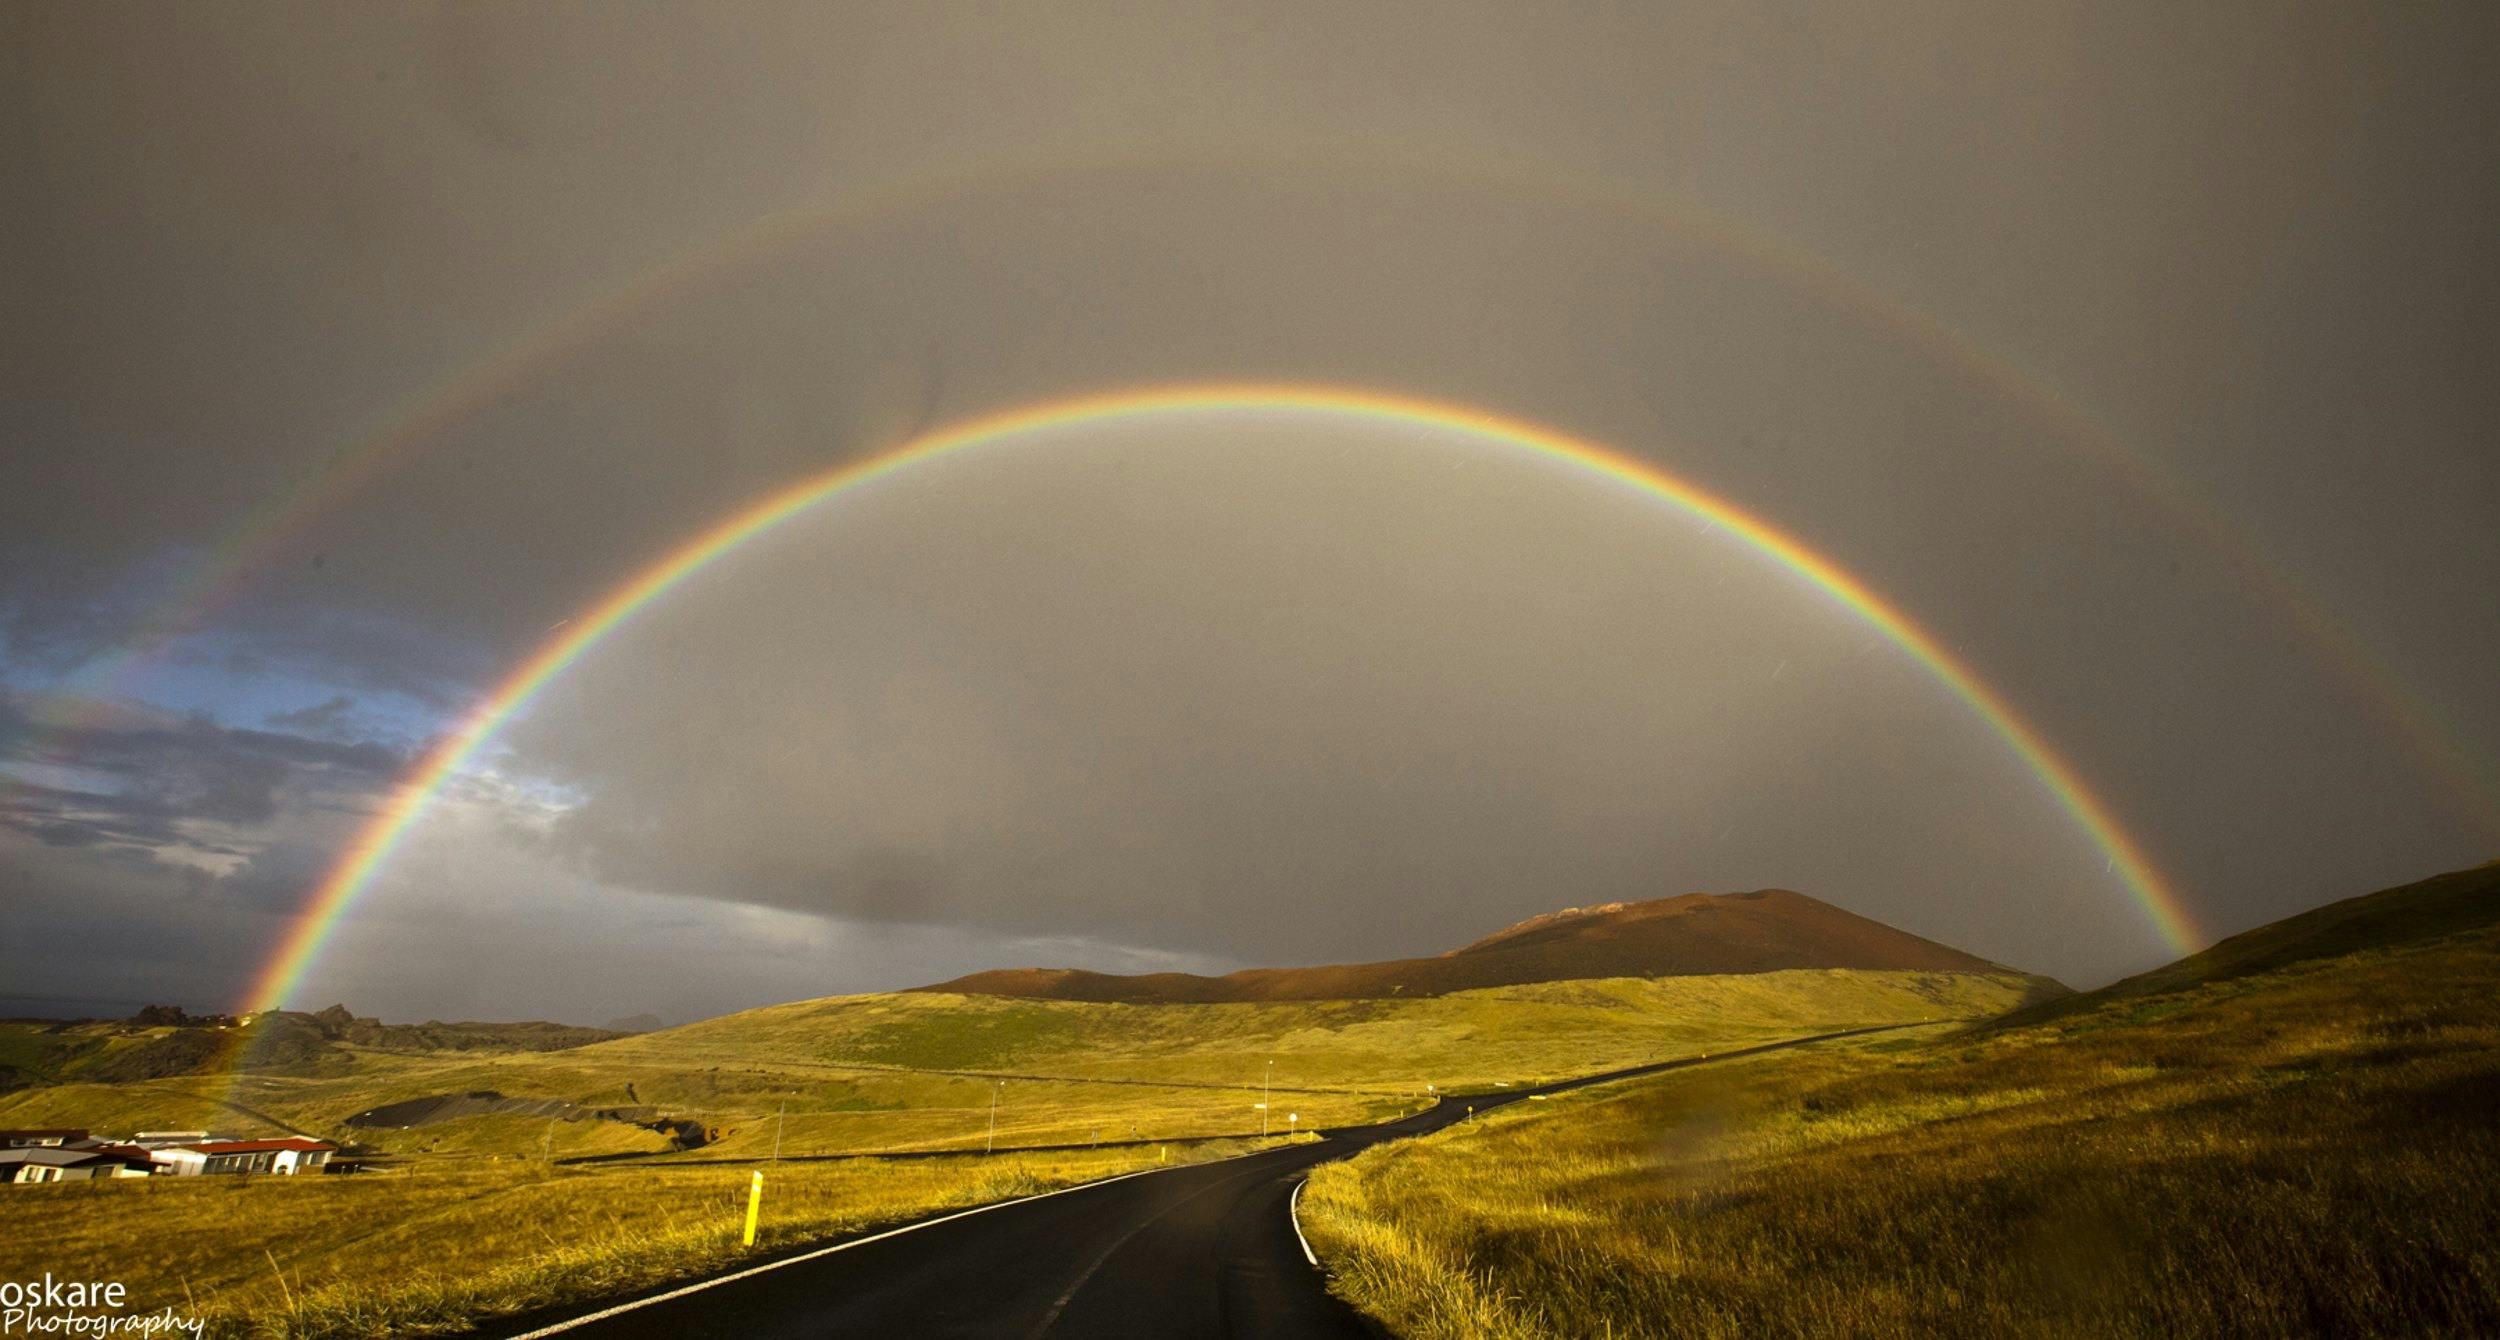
[204, 676]
[199, 678]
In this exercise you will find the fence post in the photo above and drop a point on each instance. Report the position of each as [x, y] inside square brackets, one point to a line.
[755, 1204]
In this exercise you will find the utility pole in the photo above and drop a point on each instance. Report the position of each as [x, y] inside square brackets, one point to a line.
[779, 1115]
[992, 1143]
[1266, 1078]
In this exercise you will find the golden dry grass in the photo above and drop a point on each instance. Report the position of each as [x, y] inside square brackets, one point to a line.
[439, 1248]
[477, 1225]
[912, 1071]
[2314, 1150]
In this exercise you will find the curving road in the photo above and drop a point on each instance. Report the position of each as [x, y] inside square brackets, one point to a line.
[1198, 1251]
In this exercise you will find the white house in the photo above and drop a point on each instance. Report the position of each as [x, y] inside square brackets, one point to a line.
[288, 1156]
[46, 1163]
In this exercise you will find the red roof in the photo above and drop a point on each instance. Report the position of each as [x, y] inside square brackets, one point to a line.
[258, 1146]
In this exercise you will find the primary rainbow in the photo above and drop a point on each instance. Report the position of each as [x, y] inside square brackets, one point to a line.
[321, 914]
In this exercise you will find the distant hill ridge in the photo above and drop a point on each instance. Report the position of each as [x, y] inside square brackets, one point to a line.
[1694, 934]
[296, 1042]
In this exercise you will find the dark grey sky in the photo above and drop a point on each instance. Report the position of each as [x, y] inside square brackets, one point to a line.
[2142, 353]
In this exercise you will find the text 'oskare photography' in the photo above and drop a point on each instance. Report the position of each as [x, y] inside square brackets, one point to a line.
[1252, 670]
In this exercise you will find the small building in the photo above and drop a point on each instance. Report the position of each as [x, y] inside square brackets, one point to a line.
[45, 1139]
[286, 1157]
[158, 1139]
[45, 1163]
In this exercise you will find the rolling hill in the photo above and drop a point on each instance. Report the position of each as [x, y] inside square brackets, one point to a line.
[1697, 934]
[550, 1162]
[2287, 1134]
[2455, 903]
[1576, 991]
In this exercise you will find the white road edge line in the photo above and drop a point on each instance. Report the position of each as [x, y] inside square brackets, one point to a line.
[700, 1285]
[1293, 1211]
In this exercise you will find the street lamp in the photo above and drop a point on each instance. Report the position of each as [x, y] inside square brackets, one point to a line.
[1265, 1077]
[992, 1143]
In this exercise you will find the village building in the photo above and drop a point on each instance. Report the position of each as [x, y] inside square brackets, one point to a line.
[71, 1156]
[206, 1157]
[39, 1139]
[156, 1139]
[48, 1163]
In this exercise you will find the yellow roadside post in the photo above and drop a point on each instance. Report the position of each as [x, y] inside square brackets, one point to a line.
[755, 1204]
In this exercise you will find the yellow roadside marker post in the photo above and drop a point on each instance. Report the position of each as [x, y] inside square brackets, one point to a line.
[755, 1204]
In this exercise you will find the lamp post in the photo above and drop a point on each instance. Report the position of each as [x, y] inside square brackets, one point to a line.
[1265, 1077]
[991, 1144]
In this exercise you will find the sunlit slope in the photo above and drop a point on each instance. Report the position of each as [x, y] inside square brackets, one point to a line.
[918, 1070]
[2300, 1148]
[1467, 1039]
[2458, 902]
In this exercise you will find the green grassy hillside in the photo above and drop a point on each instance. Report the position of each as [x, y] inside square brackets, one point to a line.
[2294, 1136]
[122, 1051]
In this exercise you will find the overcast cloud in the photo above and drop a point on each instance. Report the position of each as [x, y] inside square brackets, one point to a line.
[2124, 348]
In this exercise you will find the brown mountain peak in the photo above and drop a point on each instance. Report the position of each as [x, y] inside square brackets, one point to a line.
[1692, 934]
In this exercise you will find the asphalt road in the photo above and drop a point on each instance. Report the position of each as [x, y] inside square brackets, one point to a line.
[1200, 1251]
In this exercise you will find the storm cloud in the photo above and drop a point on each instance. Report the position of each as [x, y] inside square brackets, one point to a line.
[2138, 353]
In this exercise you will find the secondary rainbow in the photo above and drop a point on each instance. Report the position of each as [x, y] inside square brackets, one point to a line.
[281, 523]
[322, 912]
[268, 532]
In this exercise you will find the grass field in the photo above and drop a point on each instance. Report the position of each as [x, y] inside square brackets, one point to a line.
[474, 1221]
[2309, 1148]
[917, 1071]
[438, 1248]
